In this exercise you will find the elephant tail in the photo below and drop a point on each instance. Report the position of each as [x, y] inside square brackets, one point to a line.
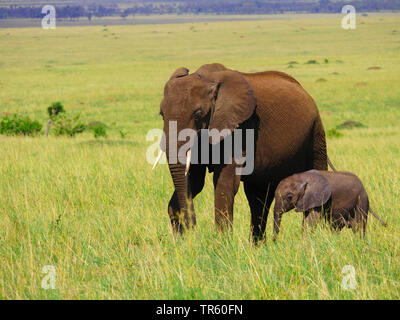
[330, 164]
[319, 154]
[377, 217]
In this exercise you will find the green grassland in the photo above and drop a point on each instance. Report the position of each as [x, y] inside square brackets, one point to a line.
[96, 211]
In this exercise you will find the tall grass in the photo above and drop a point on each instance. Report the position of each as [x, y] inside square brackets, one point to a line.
[96, 211]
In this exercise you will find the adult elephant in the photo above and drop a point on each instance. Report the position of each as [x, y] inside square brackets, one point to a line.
[289, 137]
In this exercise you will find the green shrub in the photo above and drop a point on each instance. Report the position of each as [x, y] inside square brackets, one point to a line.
[16, 125]
[123, 133]
[99, 128]
[99, 131]
[334, 133]
[69, 126]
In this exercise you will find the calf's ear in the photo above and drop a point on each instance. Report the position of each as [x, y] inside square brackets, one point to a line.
[315, 191]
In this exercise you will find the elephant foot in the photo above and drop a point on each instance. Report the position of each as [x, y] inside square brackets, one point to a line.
[182, 222]
[258, 238]
[224, 222]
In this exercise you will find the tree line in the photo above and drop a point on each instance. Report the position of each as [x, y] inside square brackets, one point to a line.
[199, 7]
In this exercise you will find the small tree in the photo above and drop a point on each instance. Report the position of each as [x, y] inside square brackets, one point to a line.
[53, 110]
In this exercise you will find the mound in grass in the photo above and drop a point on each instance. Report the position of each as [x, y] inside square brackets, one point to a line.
[350, 124]
[361, 84]
[321, 80]
[335, 73]
[374, 68]
[96, 124]
[312, 62]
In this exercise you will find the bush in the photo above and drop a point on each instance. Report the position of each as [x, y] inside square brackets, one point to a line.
[99, 131]
[69, 126]
[123, 133]
[99, 128]
[19, 126]
[334, 133]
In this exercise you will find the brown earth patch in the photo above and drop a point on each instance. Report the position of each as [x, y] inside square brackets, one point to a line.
[361, 84]
[374, 68]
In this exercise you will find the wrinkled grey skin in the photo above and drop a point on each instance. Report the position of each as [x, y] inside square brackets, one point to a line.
[339, 197]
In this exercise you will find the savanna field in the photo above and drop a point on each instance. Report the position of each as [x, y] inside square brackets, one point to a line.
[96, 211]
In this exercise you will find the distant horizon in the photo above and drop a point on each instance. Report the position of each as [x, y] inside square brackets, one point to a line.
[123, 9]
[171, 19]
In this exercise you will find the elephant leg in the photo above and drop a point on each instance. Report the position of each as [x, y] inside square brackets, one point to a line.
[197, 174]
[360, 220]
[174, 213]
[305, 224]
[226, 184]
[196, 178]
[260, 199]
[364, 213]
[311, 218]
[338, 220]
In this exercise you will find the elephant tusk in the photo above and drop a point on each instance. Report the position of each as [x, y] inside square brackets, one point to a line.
[158, 159]
[188, 158]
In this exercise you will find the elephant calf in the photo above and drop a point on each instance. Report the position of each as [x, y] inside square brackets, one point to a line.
[337, 196]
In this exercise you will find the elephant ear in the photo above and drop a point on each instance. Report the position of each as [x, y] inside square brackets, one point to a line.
[212, 67]
[234, 101]
[181, 72]
[315, 191]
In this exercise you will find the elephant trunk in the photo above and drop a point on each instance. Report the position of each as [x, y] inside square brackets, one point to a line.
[182, 188]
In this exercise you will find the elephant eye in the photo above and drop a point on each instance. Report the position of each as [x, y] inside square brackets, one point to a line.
[197, 114]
